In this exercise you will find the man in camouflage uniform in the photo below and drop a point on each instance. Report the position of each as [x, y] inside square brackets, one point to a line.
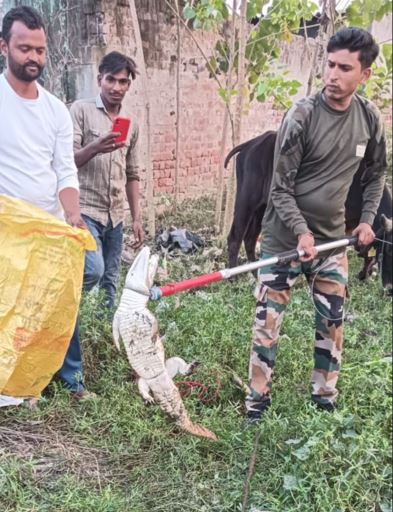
[319, 147]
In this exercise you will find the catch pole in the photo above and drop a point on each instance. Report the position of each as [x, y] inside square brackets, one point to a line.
[157, 293]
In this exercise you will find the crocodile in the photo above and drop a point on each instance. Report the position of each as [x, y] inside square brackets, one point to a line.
[136, 326]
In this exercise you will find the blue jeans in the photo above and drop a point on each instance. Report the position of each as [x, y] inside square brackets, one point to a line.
[101, 267]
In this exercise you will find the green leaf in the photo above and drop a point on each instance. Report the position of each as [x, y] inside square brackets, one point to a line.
[261, 88]
[349, 434]
[362, 13]
[302, 453]
[212, 67]
[196, 23]
[208, 25]
[290, 482]
[253, 78]
[223, 65]
[188, 13]
[225, 94]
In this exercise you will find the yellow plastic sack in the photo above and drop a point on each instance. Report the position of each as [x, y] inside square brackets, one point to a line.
[41, 273]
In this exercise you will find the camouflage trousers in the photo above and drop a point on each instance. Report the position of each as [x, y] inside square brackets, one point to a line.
[327, 278]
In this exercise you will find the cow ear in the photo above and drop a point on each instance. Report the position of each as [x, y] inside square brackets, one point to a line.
[386, 223]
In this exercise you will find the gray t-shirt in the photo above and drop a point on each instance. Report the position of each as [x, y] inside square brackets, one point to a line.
[318, 151]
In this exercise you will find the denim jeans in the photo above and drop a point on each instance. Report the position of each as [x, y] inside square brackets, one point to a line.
[101, 268]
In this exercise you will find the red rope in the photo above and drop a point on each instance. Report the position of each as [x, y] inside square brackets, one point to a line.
[204, 392]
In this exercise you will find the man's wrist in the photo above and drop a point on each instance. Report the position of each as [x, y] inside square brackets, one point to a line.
[93, 149]
[367, 218]
[70, 212]
[308, 233]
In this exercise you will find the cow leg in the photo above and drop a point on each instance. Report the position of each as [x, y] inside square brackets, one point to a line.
[250, 241]
[234, 241]
[252, 233]
[241, 219]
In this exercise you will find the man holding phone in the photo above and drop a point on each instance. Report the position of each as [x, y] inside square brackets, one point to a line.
[108, 171]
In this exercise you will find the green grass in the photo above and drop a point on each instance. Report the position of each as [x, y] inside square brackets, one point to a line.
[113, 454]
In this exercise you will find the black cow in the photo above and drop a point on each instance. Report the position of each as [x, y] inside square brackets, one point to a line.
[380, 251]
[254, 169]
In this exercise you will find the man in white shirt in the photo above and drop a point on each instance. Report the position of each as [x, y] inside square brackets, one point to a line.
[36, 139]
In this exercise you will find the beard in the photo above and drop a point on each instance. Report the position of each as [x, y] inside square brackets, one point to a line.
[21, 72]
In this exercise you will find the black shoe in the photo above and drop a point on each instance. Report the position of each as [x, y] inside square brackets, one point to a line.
[254, 417]
[328, 406]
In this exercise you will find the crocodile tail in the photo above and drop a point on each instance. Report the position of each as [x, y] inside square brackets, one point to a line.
[196, 430]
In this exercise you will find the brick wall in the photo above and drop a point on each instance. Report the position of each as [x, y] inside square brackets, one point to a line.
[202, 111]
[95, 27]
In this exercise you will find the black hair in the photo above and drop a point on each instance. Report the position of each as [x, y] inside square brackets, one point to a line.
[26, 15]
[355, 40]
[114, 62]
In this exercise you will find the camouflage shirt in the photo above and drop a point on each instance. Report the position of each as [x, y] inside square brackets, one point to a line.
[318, 151]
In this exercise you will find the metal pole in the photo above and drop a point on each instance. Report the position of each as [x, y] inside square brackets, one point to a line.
[157, 293]
[285, 257]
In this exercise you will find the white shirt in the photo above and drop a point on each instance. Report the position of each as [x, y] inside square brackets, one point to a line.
[36, 148]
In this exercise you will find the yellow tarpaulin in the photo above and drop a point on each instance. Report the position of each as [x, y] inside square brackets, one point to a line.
[41, 273]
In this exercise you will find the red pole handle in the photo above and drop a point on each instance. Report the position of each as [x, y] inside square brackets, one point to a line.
[172, 288]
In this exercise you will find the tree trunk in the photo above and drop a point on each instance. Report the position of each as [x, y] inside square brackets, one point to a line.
[314, 64]
[220, 175]
[220, 180]
[330, 26]
[148, 159]
[177, 150]
[326, 30]
[231, 183]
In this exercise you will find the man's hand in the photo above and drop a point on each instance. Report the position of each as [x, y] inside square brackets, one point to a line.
[138, 234]
[132, 191]
[74, 219]
[365, 234]
[306, 243]
[69, 199]
[106, 143]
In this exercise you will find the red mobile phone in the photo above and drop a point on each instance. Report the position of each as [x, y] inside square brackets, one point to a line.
[121, 125]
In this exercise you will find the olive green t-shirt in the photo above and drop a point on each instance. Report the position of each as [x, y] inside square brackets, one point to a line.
[318, 151]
